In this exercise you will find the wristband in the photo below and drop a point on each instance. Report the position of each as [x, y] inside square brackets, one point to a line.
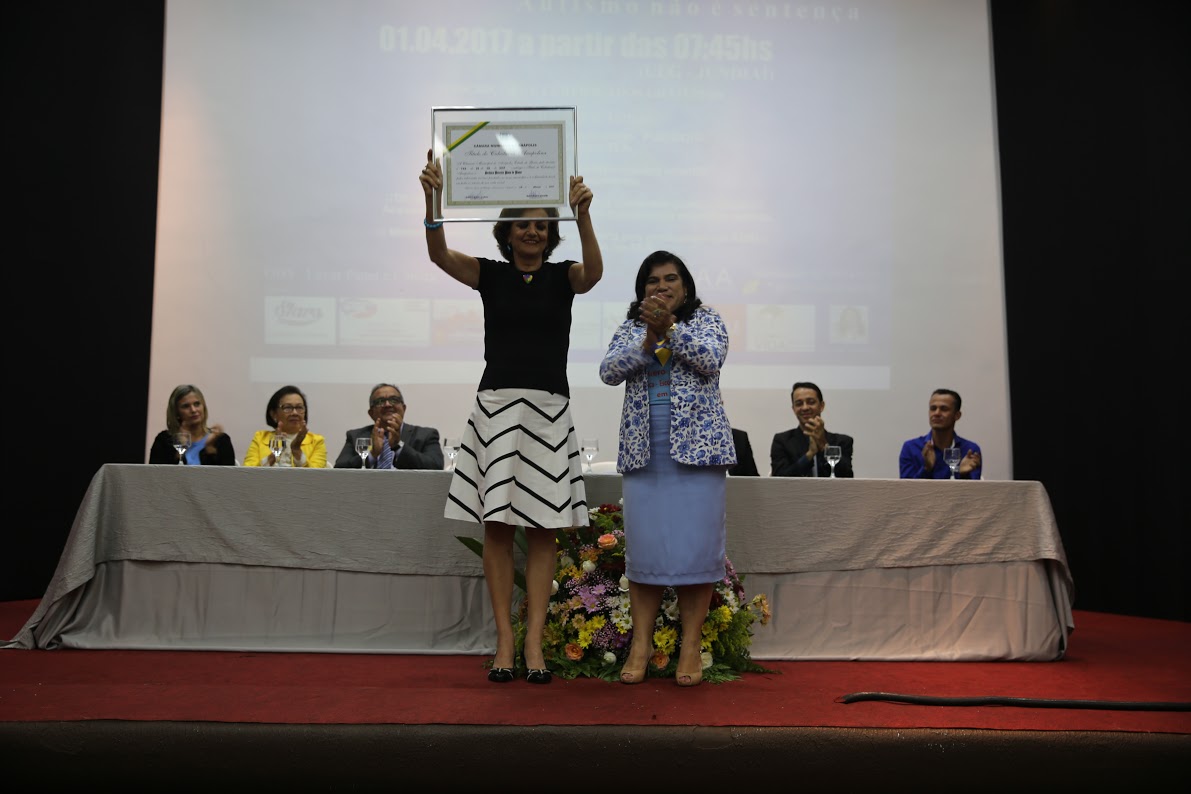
[430, 225]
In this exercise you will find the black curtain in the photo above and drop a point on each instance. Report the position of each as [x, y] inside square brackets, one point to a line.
[84, 80]
[1092, 126]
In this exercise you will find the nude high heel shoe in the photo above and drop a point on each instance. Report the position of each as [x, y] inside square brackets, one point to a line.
[633, 675]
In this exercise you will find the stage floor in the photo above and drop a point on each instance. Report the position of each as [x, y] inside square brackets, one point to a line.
[76, 709]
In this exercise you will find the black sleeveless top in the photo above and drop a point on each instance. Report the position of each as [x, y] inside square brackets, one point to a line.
[527, 326]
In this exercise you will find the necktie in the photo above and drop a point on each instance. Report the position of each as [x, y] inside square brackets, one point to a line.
[385, 459]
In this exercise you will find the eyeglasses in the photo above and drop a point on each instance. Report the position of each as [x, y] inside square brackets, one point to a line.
[379, 401]
[292, 409]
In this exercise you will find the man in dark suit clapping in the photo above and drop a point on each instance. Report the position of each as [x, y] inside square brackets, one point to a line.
[396, 444]
[799, 452]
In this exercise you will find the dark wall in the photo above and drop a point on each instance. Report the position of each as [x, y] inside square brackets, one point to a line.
[1092, 122]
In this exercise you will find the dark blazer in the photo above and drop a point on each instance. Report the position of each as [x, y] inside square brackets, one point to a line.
[745, 466]
[421, 448]
[787, 456]
[163, 451]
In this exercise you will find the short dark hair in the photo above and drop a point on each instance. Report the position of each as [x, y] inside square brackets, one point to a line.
[806, 384]
[501, 230]
[949, 393]
[656, 259]
[380, 386]
[275, 401]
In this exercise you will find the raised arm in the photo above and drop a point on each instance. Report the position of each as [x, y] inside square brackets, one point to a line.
[586, 274]
[459, 266]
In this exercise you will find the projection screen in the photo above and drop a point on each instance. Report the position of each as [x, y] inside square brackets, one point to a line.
[827, 171]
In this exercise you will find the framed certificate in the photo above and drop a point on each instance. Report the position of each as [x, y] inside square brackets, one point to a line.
[494, 158]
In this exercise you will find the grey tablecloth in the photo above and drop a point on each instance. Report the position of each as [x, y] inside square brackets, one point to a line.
[828, 553]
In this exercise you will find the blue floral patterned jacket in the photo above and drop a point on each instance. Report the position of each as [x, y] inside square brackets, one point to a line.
[700, 434]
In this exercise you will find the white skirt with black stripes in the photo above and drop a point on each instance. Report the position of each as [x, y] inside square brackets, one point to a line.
[519, 463]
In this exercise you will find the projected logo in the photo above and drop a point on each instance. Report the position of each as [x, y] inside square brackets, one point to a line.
[357, 308]
[780, 328]
[384, 322]
[299, 320]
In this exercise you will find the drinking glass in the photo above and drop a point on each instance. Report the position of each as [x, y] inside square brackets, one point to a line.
[277, 446]
[952, 456]
[181, 443]
[363, 447]
[451, 447]
[833, 454]
[590, 447]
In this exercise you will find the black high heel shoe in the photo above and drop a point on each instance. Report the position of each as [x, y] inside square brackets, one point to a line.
[500, 675]
[539, 676]
[536, 676]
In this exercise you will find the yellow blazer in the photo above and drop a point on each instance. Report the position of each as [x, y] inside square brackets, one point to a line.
[314, 447]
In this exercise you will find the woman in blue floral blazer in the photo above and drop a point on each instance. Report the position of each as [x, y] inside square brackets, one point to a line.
[675, 449]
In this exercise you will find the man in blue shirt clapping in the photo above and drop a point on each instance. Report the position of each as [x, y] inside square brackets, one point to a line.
[923, 458]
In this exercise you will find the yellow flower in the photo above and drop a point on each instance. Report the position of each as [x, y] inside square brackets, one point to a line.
[551, 635]
[665, 639]
[588, 630]
[762, 603]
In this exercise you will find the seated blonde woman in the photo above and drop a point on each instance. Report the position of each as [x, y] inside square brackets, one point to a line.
[186, 412]
[295, 446]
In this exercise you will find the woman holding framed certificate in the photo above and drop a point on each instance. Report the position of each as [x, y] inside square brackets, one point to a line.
[519, 460]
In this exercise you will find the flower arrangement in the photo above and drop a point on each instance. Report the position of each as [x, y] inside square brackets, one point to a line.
[589, 625]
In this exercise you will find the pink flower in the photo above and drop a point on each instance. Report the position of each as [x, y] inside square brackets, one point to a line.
[661, 659]
[607, 541]
[574, 652]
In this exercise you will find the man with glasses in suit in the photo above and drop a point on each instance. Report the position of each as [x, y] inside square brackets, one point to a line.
[396, 444]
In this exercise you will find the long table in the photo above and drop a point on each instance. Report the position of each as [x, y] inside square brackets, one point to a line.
[229, 558]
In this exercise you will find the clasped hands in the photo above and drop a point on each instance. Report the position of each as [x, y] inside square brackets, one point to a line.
[816, 435]
[386, 426]
[215, 432]
[657, 318]
[296, 445]
[966, 465]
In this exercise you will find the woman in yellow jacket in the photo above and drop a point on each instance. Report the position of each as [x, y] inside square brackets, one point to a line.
[289, 443]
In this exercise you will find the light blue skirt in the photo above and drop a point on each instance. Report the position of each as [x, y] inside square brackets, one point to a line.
[674, 515]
